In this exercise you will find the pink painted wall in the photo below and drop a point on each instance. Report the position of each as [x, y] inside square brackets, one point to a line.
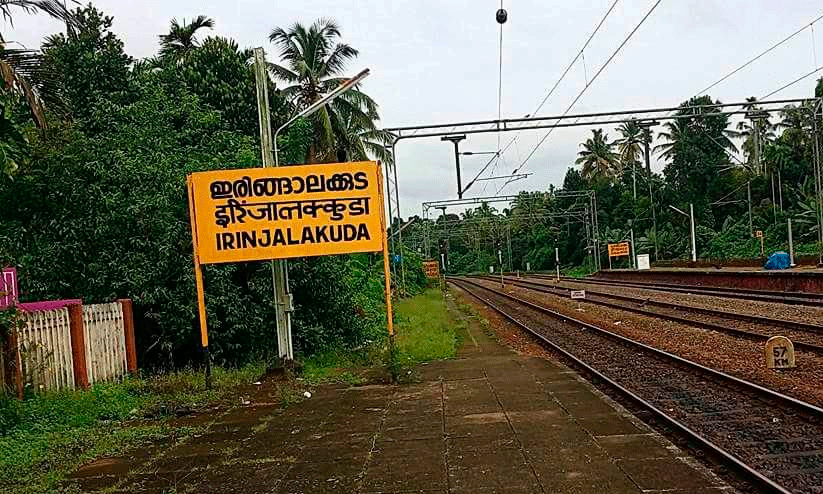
[49, 305]
[8, 287]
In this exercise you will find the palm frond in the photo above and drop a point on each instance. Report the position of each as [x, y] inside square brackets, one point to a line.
[282, 73]
[53, 8]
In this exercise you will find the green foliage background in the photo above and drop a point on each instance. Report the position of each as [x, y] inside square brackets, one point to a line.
[99, 211]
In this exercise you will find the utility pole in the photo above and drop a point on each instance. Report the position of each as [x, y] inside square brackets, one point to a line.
[694, 240]
[791, 245]
[279, 268]
[690, 215]
[456, 140]
[557, 261]
[749, 195]
[647, 138]
[500, 260]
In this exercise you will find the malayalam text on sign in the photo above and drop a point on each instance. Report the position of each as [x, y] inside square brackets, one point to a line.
[295, 211]
[618, 250]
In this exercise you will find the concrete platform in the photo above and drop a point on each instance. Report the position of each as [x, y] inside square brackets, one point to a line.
[790, 280]
[489, 421]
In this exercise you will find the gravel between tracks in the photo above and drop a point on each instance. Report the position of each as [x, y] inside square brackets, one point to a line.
[801, 313]
[736, 356]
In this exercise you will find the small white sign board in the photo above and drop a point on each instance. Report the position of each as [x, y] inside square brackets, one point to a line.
[578, 294]
[491, 269]
[643, 262]
[528, 266]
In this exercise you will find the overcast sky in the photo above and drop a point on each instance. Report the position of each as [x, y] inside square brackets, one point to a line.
[437, 62]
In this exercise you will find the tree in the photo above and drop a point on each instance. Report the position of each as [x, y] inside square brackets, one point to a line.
[89, 61]
[21, 69]
[697, 147]
[181, 39]
[360, 138]
[630, 145]
[312, 63]
[220, 74]
[597, 157]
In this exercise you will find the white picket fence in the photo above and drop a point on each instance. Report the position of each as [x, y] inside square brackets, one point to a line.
[45, 349]
[105, 341]
[46, 353]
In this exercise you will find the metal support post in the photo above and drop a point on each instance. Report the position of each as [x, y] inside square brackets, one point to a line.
[390, 222]
[694, 241]
[633, 258]
[749, 195]
[397, 210]
[791, 245]
[651, 196]
[509, 241]
[557, 261]
[500, 260]
[456, 140]
[279, 268]
[818, 180]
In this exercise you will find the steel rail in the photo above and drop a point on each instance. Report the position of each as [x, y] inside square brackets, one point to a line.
[756, 477]
[799, 345]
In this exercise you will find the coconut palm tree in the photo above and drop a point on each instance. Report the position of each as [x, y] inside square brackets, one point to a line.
[630, 146]
[597, 157]
[21, 69]
[360, 138]
[312, 63]
[182, 38]
[675, 131]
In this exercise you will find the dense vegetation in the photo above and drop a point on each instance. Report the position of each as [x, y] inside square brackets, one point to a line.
[702, 168]
[96, 147]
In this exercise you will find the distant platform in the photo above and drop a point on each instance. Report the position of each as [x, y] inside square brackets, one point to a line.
[809, 280]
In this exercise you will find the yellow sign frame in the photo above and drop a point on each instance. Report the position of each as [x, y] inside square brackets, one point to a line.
[340, 186]
[620, 249]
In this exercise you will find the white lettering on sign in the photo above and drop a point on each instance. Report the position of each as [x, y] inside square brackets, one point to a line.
[779, 352]
[577, 294]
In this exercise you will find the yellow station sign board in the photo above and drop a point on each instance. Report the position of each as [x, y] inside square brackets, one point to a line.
[431, 269]
[619, 250]
[294, 211]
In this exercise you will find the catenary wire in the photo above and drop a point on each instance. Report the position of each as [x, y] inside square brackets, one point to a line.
[580, 94]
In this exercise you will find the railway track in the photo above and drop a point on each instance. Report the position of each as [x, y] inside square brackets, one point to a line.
[792, 298]
[805, 336]
[774, 440]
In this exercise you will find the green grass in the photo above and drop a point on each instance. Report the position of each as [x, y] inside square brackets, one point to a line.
[46, 436]
[425, 328]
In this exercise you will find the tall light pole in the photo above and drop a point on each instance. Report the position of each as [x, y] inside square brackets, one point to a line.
[320, 104]
[279, 268]
[456, 140]
[691, 226]
[647, 138]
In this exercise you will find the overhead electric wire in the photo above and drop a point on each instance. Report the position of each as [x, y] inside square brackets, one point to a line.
[813, 72]
[571, 64]
[562, 76]
[580, 94]
[499, 88]
[487, 165]
[738, 69]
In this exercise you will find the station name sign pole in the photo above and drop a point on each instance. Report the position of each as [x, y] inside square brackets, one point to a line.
[261, 214]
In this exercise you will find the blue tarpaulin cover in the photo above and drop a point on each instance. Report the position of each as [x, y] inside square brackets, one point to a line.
[778, 260]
